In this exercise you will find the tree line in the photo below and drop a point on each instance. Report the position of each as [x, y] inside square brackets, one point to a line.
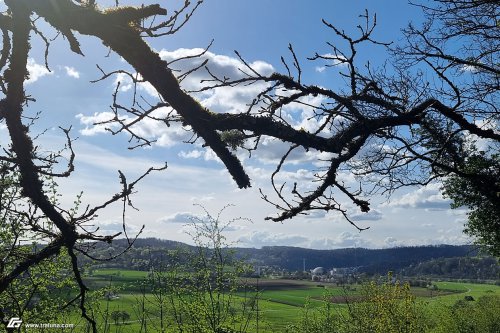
[458, 262]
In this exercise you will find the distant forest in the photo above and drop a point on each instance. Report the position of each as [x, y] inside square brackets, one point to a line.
[458, 262]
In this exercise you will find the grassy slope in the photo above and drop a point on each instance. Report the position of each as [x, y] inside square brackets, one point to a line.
[280, 302]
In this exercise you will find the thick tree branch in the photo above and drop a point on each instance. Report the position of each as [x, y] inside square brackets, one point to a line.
[127, 42]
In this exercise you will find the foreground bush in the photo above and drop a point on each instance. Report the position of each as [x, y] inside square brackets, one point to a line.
[481, 316]
[382, 308]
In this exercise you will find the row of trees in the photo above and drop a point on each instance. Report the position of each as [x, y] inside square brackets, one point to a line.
[391, 127]
[457, 268]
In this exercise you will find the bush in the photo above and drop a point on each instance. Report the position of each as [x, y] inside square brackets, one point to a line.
[318, 320]
[386, 308]
[383, 308]
[481, 316]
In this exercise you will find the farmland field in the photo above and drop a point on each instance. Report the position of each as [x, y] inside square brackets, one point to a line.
[280, 302]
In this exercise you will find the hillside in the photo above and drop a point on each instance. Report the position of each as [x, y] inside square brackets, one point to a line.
[291, 258]
[442, 260]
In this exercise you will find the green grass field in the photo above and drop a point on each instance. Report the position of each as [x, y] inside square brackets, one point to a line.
[465, 289]
[280, 302]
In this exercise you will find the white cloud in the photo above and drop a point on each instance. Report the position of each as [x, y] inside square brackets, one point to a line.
[36, 71]
[125, 82]
[110, 227]
[203, 198]
[347, 178]
[182, 217]
[451, 237]
[235, 227]
[220, 65]
[207, 154]
[148, 128]
[372, 215]
[91, 123]
[320, 69]
[482, 144]
[469, 68]
[428, 197]
[233, 99]
[271, 150]
[391, 242]
[224, 99]
[109, 161]
[72, 72]
[191, 154]
[266, 238]
[316, 214]
[331, 60]
[343, 240]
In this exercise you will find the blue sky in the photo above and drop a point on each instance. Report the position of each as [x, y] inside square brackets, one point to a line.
[260, 30]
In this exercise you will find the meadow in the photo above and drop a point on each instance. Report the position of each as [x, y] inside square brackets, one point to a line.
[279, 302]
